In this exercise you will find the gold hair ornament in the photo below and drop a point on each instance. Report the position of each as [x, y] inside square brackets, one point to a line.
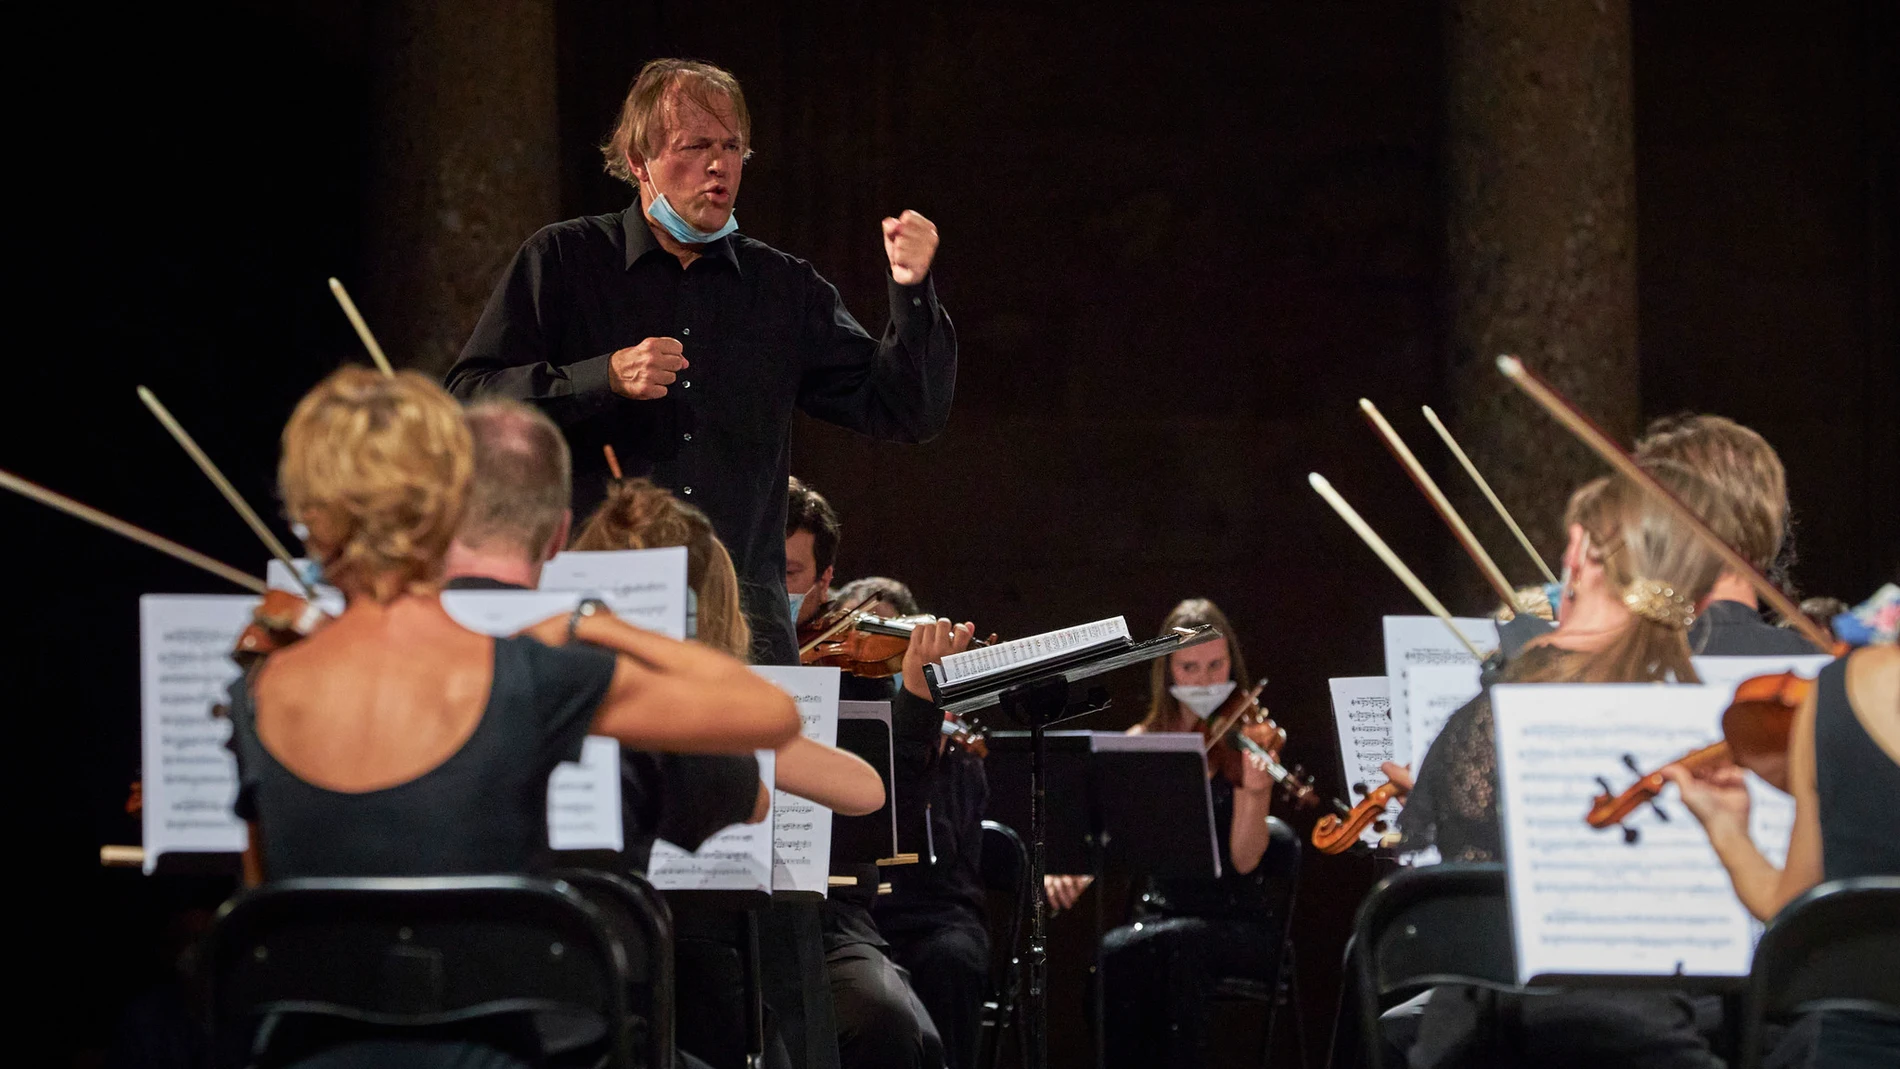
[1660, 603]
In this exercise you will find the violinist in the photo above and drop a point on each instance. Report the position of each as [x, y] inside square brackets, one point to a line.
[812, 534]
[1749, 476]
[1160, 970]
[1635, 578]
[1844, 773]
[394, 742]
[518, 518]
[880, 596]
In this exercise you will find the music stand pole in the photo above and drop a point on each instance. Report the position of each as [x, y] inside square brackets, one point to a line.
[1036, 706]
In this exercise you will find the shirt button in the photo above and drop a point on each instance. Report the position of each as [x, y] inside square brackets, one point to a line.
[686, 437]
[684, 331]
[687, 490]
[688, 384]
[916, 302]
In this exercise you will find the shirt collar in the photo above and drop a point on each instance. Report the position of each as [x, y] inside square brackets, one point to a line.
[640, 240]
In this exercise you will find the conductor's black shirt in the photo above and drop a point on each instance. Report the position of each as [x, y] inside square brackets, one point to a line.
[763, 333]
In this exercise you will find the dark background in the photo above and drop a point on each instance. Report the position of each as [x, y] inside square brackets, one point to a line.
[1179, 241]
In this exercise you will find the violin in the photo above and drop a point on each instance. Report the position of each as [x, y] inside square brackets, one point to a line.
[1244, 724]
[1335, 832]
[280, 619]
[861, 643]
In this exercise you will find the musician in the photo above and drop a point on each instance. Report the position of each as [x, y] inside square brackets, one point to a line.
[1159, 971]
[880, 596]
[1635, 577]
[812, 533]
[518, 518]
[394, 742]
[685, 345]
[1750, 477]
[1844, 773]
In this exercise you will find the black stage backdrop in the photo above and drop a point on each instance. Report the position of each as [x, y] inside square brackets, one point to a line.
[1180, 241]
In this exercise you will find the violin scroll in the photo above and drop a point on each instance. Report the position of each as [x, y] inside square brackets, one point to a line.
[280, 620]
[1335, 833]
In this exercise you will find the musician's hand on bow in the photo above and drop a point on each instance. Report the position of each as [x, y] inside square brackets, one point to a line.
[1399, 774]
[929, 644]
[1718, 797]
[643, 372]
[910, 243]
[1062, 891]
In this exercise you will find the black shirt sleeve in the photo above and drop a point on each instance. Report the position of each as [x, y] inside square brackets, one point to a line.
[243, 745]
[701, 795]
[897, 388]
[515, 350]
[569, 684]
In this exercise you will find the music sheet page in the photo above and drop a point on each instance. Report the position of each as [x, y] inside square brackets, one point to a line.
[1362, 715]
[1432, 693]
[645, 587]
[1416, 640]
[189, 778]
[738, 858]
[801, 829]
[971, 664]
[1583, 900]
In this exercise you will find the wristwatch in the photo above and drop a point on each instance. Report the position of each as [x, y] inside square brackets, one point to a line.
[587, 607]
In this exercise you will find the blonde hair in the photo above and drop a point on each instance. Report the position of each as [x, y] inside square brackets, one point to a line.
[378, 469]
[1654, 563]
[642, 120]
[640, 515]
[1742, 466]
[1164, 710]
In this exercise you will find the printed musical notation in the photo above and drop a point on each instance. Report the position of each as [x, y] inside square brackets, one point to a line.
[801, 829]
[739, 858]
[189, 777]
[1583, 900]
[1424, 640]
[1432, 693]
[972, 664]
[1362, 715]
[645, 587]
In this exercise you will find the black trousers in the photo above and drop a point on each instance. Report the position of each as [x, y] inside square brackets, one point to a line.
[949, 966]
[1159, 974]
[881, 1023]
[1581, 1028]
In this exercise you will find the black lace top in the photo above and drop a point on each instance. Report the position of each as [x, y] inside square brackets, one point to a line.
[1454, 801]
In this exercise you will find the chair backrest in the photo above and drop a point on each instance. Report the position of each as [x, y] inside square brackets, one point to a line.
[1834, 948]
[428, 951]
[643, 923]
[1280, 866]
[1005, 865]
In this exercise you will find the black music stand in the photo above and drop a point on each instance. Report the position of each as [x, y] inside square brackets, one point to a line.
[864, 729]
[1038, 695]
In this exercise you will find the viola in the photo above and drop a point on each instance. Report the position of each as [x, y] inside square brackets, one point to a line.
[1246, 728]
[1335, 832]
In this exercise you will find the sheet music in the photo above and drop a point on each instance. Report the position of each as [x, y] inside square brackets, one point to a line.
[1362, 716]
[801, 829]
[1411, 640]
[1432, 693]
[973, 664]
[189, 781]
[1727, 672]
[738, 858]
[645, 587]
[584, 799]
[501, 613]
[1583, 901]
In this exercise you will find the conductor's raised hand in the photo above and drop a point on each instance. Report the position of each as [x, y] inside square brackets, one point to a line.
[930, 643]
[910, 243]
[644, 371]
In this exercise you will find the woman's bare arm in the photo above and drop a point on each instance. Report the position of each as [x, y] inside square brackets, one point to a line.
[836, 779]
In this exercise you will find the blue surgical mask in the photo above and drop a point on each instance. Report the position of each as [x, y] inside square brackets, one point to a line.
[661, 212]
[798, 602]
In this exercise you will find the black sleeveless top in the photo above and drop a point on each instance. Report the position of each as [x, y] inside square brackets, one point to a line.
[483, 810]
[1857, 783]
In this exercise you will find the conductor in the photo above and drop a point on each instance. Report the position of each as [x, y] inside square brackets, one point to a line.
[664, 332]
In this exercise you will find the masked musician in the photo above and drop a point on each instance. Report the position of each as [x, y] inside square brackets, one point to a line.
[1748, 474]
[1615, 624]
[1159, 971]
[1844, 773]
[686, 346]
[394, 742]
[812, 533]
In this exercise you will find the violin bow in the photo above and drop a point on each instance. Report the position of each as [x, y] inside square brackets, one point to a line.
[119, 527]
[362, 328]
[1423, 480]
[1599, 442]
[1391, 559]
[1489, 495]
[844, 620]
[1218, 730]
[224, 486]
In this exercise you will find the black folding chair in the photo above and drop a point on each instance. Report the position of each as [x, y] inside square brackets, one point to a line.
[643, 923]
[1422, 927]
[1279, 873]
[428, 953]
[1833, 949]
[1006, 873]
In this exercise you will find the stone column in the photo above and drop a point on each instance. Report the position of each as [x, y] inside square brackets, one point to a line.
[464, 163]
[1541, 234]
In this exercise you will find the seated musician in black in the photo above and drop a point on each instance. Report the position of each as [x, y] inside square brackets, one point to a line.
[1748, 475]
[1635, 577]
[394, 742]
[517, 519]
[1844, 773]
[1159, 971]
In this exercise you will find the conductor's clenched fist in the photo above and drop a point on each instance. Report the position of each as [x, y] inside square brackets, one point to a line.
[644, 371]
[910, 243]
